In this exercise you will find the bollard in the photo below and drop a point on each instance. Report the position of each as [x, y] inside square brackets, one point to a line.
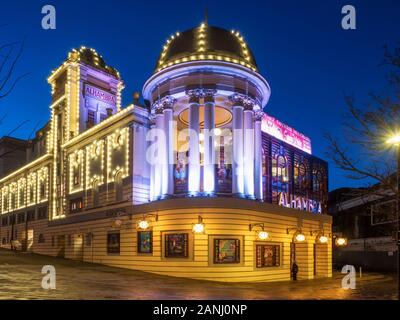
[360, 272]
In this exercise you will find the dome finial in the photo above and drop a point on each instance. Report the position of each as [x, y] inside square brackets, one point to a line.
[206, 16]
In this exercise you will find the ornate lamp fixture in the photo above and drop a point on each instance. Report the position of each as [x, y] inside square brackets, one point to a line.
[262, 234]
[144, 223]
[199, 226]
[322, 238]
[298, 235]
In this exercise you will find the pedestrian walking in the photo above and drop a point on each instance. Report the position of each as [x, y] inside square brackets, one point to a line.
[295, 270]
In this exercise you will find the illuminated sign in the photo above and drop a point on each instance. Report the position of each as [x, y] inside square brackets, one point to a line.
[283, 132]
[299, 203]
[100, 95]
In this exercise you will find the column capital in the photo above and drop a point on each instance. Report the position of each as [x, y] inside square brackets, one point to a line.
[209, 95]
[258, 115]
[242, 100]
[163, 103]
[194, 95]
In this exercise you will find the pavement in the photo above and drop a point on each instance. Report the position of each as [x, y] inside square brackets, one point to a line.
[21, 278]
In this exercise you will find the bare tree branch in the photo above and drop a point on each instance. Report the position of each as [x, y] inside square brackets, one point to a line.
[366, 129]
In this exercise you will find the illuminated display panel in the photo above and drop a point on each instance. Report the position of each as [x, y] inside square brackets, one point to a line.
[283, 132]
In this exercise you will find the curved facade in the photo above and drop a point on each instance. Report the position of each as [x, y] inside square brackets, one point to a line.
[199, 183]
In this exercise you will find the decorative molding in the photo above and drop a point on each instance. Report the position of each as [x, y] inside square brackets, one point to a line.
[242, 100]
[209, 95]
[258, 115]
[166, 102]
[195, 95]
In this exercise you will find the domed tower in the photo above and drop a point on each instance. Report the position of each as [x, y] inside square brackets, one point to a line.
[207, 96]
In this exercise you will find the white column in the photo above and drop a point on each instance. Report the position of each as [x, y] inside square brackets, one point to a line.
[237, 145]
[209, 149]
[168, 104]
[160, 173]
[194, 130]
[170, 150]
[258, 155]
[248, 150]
[153, 195]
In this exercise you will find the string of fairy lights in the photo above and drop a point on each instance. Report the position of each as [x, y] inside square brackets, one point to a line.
[26, 191]
[202, 51]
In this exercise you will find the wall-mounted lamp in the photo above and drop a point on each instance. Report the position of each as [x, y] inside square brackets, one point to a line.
[298, 235]
[144, 223]
[340, 241]
[199, 226]
[322, 238]
[262, 234]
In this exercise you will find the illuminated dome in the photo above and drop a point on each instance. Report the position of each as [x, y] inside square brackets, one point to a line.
[206, 43]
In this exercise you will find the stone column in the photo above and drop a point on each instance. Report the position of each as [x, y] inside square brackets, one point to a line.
[167, 106]
[258, 189]
[194, 130]
[237, 144]
[153, 191]
[248, 148]
[209, 149]
[159, 166]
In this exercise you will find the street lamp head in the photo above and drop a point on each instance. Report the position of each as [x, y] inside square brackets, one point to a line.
[394, 140]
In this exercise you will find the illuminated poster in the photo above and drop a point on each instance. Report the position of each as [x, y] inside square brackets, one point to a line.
[226, 250]
[224, 171]
[113, 242]
[283, 132]
[145, 241]
[267, 256]
[176, 245]
[180, 173]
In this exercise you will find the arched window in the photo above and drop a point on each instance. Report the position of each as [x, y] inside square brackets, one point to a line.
[300, 175]
[118, 186]
[42, 189]
[76, 174]
[12, 201]
[95, 192]
[21, 197]
[31, 193]
[280, 172]
[317, 181]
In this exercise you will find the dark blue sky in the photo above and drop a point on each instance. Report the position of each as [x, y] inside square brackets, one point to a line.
[300, 48]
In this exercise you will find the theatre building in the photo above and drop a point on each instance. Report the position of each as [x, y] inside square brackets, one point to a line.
[195, 182]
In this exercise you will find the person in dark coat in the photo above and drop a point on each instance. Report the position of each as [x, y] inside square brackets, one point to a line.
[295, 270]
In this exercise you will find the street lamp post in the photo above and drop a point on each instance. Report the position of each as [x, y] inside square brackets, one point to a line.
[398, 221]
[395, 140]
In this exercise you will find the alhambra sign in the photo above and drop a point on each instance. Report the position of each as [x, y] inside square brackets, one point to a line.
[299, 203]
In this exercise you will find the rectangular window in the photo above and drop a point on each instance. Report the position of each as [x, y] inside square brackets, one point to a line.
[91, 119]
[52, 241]
[76, 205]
[21, 218]
[176, 245]
[30, 215]
[145, 241]
[4, 221]
[268, 255]
[42, 213]
[226, 251]
[76, 173]
[113, 242]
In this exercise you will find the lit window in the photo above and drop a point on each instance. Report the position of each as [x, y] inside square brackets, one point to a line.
[76, 205]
